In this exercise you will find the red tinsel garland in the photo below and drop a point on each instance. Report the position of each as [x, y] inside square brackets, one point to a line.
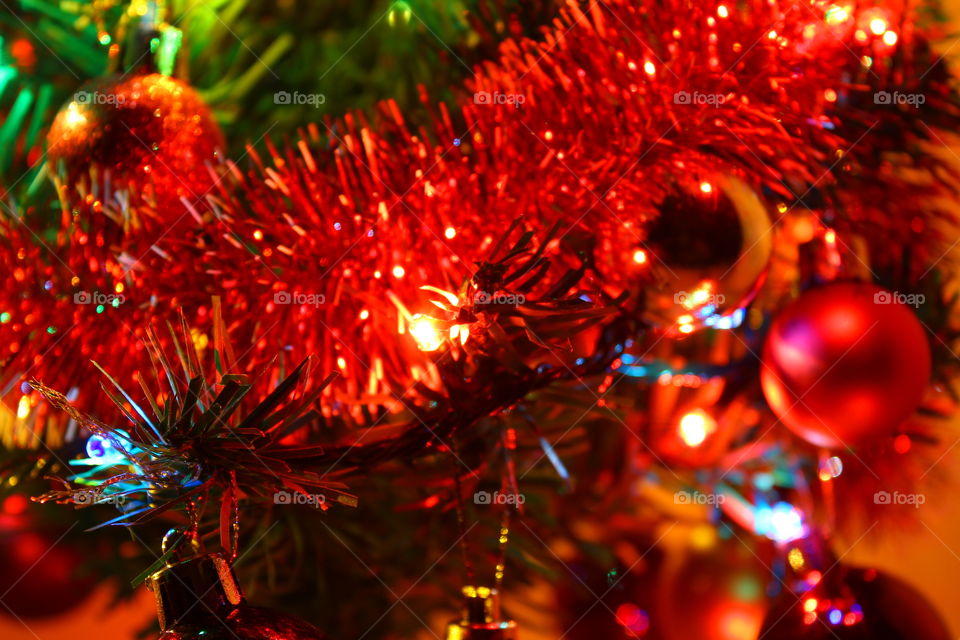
[325, 246]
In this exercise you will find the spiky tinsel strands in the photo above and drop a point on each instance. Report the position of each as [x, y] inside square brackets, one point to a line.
[619, 105]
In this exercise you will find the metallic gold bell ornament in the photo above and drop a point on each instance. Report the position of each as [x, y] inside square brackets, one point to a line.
[481, 618]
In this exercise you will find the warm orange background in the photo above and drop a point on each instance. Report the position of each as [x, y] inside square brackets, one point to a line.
[926, 555]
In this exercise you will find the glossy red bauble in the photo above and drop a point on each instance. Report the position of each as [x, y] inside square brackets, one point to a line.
[845, 362]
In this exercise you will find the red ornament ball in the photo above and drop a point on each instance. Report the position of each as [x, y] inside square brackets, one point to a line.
[708, 252]
[845, 362]
[200, 599]
[716, 595]
[858, 604]
[148, 133]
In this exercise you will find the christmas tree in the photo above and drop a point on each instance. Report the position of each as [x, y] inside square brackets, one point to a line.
[482, 319]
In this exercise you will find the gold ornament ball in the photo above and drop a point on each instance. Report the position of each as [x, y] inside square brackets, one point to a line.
[149, 134]
[705, 255]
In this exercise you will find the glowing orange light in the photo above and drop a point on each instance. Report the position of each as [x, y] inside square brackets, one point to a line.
[830, 95]
[830, 236]
[341, 362]
[450, 233]
[695, 427]
[424, 330]
[810, 604]
[398, 271]
[73, 117]
[795, 558]
[119, 287]
[640, 256]
[258, 234]
[722, 11]
[706, 187]
[364, 314]
[23, 408]
[890, 38]
[548, 136]
[878, 26]
[739, 624]
[649, 68]
[697, 298]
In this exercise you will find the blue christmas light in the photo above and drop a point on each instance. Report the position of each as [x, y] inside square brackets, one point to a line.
[101, 449]
[781, 523]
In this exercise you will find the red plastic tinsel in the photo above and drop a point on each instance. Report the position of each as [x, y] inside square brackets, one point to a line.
[586, 130]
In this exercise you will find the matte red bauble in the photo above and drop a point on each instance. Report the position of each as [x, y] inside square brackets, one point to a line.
[843, 363]
[148, 133]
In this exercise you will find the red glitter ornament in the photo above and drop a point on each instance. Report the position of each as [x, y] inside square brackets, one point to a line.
[148, 134]
[843, 363]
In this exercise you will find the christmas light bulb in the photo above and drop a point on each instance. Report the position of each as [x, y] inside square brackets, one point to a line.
[695, 427]
[424, 330]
